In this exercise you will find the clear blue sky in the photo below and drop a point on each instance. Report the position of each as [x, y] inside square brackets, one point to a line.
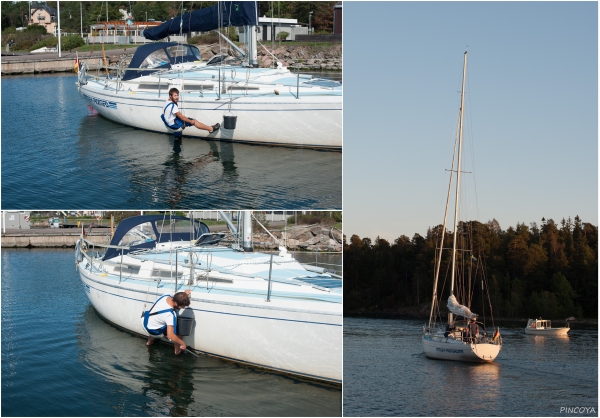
[532, 112]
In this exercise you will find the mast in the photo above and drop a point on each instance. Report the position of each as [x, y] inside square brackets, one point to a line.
[439, 260]
[247, 231]
[460, 135]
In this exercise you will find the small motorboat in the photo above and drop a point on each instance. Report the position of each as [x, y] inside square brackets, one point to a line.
[544, 327]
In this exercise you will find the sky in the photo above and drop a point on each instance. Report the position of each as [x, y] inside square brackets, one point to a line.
[531, 113]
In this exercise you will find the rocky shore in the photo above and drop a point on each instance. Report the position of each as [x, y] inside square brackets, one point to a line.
[303, 238]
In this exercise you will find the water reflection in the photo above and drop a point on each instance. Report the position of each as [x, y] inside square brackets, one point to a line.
[150, 169]
[184, 385]
[387, 374]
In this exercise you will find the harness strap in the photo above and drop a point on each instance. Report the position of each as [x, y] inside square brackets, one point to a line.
[169, 126]
[146, 315]
[150, 310]
[172, 104]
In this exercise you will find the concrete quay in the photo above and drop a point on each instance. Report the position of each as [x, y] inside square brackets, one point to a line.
[60, 237]
[51, 237]
[49, 62]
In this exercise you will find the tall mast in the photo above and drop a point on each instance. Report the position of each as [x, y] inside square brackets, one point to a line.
[439, 256]
[460, 135]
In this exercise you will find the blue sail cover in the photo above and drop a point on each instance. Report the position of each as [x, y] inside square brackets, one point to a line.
[231, 13]
[129, 223]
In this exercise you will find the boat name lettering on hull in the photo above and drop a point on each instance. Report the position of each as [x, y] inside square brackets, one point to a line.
[100, 102]
[448, 350]
[87, 288]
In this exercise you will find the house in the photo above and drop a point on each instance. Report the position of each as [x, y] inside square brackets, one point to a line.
[43, 15]
[337, 18]
[268, 28]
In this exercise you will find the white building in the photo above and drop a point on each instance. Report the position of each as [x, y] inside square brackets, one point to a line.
[268, 28]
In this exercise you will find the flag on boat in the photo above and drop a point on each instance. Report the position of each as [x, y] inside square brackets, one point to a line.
[223, 14]
[76, 66]
[496, 334]
[458, 309]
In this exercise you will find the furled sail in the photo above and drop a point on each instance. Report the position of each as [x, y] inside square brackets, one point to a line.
[226, 13]
[458, 309]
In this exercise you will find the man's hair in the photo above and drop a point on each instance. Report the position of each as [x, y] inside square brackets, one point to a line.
[182, 299]
[173, 90]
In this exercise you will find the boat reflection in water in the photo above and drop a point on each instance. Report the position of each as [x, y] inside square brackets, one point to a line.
[152, 170]
[188, 386]
[482, 375]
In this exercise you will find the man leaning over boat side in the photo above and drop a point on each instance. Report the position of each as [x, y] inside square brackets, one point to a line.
[161, 319]
[175, 119]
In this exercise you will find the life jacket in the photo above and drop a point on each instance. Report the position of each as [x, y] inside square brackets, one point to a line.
[162, 330]
[172, 104]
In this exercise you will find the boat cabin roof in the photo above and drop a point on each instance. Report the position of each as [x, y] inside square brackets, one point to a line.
[156, 56]
[537, 323]
[139, 232]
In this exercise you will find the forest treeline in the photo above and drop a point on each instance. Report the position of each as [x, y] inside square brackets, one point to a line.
[548, 271]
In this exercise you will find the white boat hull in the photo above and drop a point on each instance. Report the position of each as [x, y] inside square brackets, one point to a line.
[258, 333]
[311, 121]
[547, 331]
[441, 348]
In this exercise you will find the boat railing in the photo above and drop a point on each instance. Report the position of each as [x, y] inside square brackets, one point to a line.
[120, 71]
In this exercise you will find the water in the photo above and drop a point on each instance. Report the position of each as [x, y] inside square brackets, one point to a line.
[54, 154]
[387, 374]
[59, 358]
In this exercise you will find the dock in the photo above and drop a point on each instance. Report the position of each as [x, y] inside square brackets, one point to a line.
[60, 237]
[50, 62]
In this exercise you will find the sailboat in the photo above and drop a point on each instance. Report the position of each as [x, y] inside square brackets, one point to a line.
[264, 310]
[464, 337]
[271, 106]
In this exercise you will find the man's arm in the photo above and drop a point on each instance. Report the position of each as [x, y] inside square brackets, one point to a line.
[184, 118]
[171, 335]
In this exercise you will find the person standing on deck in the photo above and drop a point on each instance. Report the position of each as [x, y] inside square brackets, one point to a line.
[161, 319]
[175, 119]
[474, 329]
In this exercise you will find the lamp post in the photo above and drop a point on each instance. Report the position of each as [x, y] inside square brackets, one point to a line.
[70, 36]
[309, 19]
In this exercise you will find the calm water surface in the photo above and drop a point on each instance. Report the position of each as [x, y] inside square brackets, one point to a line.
[54, 154]
[60, 359]
[387, 374]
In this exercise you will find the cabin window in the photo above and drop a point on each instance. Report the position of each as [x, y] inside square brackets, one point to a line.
[155, 59]
[140, 234]
[178, 226]
[179, 51]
